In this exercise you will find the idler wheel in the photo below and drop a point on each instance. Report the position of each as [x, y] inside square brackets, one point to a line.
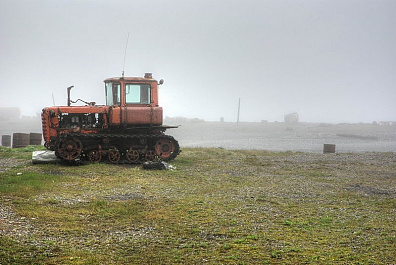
[114, 156]
[150, 155]
[69, 149]
[132, 155]
[166, 149]
[95, 156]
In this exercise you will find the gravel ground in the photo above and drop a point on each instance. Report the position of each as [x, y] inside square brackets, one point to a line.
[7, 163]
[13, 225]
[340, 172]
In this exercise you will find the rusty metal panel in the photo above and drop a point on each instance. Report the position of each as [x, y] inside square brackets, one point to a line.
[81, 109]
[115, 116]
[142, 115]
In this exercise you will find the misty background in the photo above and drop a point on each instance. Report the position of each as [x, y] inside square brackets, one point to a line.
[330, 61]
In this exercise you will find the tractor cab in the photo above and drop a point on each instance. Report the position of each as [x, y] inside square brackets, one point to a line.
[133, 100]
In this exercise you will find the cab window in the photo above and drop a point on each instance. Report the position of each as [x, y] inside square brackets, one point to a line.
[137, 94]
[113, 94]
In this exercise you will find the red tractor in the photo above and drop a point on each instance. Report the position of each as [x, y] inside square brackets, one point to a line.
[128, 127]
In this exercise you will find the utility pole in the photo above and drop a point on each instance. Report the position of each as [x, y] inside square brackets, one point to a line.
[239, 109]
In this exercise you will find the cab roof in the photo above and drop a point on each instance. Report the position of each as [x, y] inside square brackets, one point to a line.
[147, 77]
[128, 79]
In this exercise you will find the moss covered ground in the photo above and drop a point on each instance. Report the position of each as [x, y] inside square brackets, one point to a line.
[217, 207]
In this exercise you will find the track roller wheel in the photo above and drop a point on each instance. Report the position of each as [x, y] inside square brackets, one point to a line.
[95, 156]
[69, 149]
[114, 156]
[132, 155]
[150, 155]
[167, 148]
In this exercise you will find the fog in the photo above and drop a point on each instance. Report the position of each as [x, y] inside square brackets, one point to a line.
[330, 61]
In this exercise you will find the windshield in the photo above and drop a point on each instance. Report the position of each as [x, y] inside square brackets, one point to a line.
[112, 94]
[137, 94]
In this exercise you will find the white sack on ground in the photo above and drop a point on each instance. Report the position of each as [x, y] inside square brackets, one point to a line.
[39, 157]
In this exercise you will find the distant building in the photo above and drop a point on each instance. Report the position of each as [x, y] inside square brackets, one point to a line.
[9, 114]
[291, 117]
[180, 119]
[387, 123]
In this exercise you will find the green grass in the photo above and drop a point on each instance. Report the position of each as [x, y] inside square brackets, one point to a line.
[13, 252]
[218, 207]
[21, 153]
[26, 184]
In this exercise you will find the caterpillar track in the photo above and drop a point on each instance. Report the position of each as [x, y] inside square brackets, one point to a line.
[116, 148]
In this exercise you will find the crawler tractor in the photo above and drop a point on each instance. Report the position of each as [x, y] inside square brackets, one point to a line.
[128, 128]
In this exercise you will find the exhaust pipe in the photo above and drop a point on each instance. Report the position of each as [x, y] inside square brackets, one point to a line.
[68, 95]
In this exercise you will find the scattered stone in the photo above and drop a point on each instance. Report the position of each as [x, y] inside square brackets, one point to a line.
[8, 163]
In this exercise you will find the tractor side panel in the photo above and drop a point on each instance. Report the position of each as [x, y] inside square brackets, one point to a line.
[142, 115]
[115, 115]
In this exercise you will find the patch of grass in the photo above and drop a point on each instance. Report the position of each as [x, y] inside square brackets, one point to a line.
[13, 252]
[20, 153]
[26, 184]
[276, 254]
[218, 207]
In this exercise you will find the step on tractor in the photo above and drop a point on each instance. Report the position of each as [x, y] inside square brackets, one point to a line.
[128, 128]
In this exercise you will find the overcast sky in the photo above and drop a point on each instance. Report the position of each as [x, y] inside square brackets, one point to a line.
[330, 61]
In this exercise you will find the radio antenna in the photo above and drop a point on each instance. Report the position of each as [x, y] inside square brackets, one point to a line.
[126, 46]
